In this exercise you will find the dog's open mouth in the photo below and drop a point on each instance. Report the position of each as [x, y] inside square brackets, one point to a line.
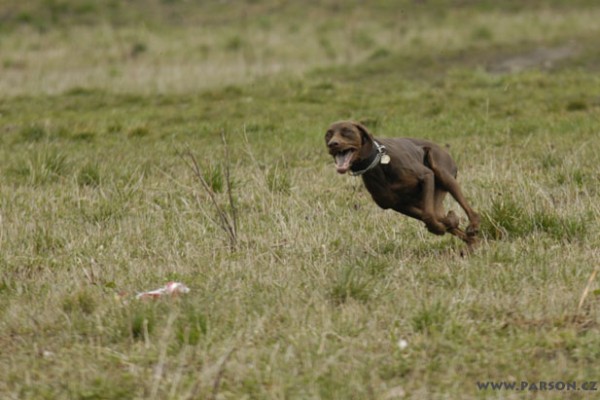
[343, 160]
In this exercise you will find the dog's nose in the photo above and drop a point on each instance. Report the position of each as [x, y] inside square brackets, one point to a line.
[333, 144]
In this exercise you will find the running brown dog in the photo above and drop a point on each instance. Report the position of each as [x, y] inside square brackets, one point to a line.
[410, 176]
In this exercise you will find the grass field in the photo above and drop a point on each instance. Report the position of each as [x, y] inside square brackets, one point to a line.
[318, 294]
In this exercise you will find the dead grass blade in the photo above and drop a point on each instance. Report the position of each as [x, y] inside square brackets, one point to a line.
[227, 222]
[586, 291]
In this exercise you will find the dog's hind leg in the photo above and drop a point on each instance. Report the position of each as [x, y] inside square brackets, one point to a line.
[448, 181]
[450, 220]
[429, 211]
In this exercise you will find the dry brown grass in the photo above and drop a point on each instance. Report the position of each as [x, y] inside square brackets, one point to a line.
[321, 287]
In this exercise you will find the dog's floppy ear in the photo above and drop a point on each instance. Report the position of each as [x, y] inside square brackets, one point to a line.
[365, 135]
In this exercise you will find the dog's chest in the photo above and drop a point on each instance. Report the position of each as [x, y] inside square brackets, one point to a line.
[390, 187]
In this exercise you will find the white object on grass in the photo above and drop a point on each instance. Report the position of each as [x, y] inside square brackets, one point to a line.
[171, 289]
[402, 344]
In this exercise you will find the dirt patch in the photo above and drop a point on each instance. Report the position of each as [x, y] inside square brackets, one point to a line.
[541, 57]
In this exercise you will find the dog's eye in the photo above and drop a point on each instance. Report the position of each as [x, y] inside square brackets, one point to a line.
[347, 133]
[328, 135]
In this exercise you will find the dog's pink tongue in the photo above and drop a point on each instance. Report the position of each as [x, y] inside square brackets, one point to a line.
[342, 162]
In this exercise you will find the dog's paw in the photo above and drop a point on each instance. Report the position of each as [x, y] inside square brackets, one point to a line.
[435, 227]
[473, 228]
[472, 231]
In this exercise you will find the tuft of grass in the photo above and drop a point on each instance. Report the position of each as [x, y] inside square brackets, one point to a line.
[138, 132]
[506, 218]
[278, 180]
[89, 175]
[137, 49]
[33, 133]
[213, 175]
[142, 322]
[550, 160]
[350, 284]
[234, 43]
[482, 33]
[430, 318]
[102, 388]
[84, 136]
[44, 241]
[380, 53]
[41, 167]
[577, 105]
[191, 326]
[79, 302]
[104, 208]
[569, 229]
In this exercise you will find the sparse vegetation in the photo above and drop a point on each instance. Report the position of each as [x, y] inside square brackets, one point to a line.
[311, 292]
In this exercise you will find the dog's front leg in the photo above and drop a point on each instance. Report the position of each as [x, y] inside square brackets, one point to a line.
[433, 225]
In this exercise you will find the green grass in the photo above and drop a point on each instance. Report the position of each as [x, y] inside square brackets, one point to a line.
[312, 299]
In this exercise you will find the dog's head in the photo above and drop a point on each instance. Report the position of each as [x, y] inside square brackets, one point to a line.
[348, 142]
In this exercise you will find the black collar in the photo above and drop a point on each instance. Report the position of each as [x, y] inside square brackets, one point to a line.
[368, 163]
